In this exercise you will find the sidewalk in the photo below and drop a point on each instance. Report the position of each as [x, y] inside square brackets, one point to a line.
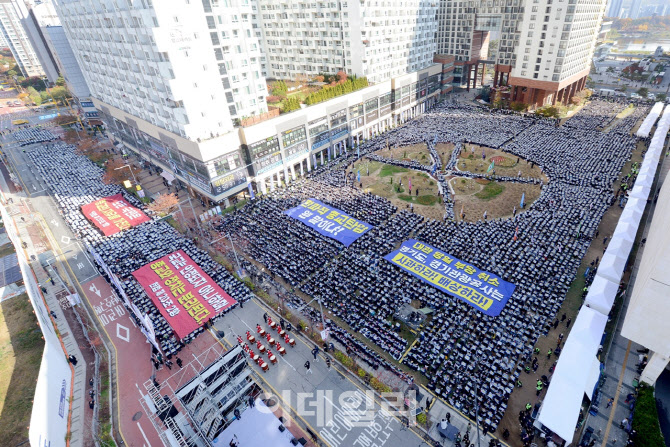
[80, 424]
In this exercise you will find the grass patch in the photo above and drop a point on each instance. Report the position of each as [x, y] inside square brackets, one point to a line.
[490, 191]
[645, 419]
[406, 198]
[389, 170]
[21, 347]
[427, 200]
[482, 181]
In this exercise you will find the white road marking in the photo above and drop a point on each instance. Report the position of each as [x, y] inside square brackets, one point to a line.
[143, 435]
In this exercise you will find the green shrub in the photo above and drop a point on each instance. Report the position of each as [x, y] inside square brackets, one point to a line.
[249, 284]
[379, 386]
[350, 85]
[421, 419]
[290, 104]
[645, 419]
[362, 373]
[344, 359]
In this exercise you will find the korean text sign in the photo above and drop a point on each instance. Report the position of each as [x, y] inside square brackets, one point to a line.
[113, 214]
[185, 295]
[329, 221]
[483, 291]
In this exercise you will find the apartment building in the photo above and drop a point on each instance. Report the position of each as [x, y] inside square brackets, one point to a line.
[11, 14]
[182, 66]
[378, 39]
[544, 51]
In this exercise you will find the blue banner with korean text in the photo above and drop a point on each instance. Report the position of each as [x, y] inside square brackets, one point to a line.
[482, 290]
[329, 221]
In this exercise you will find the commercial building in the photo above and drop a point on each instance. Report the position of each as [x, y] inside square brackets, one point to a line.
[182, 85]
[264, 155]
[544, 47]
[380, 40]
[11, 14]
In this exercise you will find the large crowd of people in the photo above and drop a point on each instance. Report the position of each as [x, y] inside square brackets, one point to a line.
[74, 181]
[32, 135]
[460, 349]
[539, 250]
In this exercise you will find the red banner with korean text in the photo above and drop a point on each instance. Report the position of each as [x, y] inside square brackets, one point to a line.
[185, 295]
[113, 214]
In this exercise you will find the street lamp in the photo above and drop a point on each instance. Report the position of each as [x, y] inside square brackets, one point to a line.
[239, 268]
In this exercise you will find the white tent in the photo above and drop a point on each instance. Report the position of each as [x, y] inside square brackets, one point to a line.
[648, 123]
[640, 192]
[633, 211]
[560, 409]
[601, 294]
[626, 230]
[647, 168]
[644, 180]
[620, 247]
[611, 266]
[592, 377]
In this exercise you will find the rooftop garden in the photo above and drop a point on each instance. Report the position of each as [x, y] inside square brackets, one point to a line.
[289, 95]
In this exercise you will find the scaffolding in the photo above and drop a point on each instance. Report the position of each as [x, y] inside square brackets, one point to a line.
[196, 403]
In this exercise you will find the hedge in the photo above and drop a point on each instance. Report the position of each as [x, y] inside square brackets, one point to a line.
[328, 92]
[645, 419]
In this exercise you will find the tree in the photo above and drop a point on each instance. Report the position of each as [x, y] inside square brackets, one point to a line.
[164, 204]
[59, 93]
[341, 76]
[34, 96]
[60, 81]
[643, 91]
[116, 172]
[33, 81]
[11, 73]
[62, 120]
[70, 137]
[661, 97]
[290, 104]
[87, 145]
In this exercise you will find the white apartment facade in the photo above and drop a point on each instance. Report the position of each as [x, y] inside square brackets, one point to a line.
[378, 39]
[160, 62]
[545, 46]
[11, 13]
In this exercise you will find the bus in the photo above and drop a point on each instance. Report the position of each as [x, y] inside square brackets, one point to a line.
[19, 122]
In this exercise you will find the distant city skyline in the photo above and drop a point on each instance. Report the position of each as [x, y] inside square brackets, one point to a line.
[636, 9]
